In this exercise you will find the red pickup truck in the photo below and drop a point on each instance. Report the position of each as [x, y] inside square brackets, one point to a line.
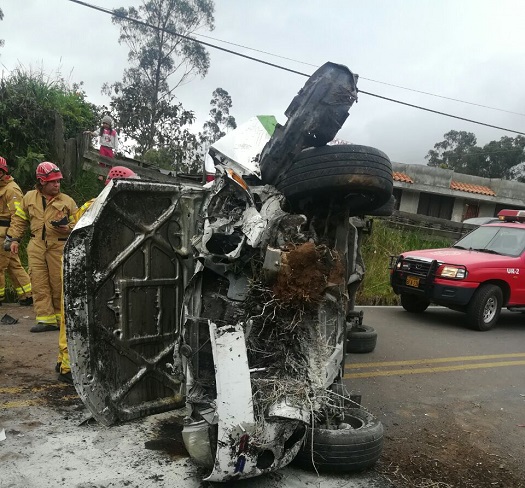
[481, 273]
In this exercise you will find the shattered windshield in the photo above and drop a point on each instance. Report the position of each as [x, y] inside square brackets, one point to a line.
[509, 241]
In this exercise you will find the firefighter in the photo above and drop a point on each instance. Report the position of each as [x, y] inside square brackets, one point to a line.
[49, 213]
[63, 366]
[10, 197]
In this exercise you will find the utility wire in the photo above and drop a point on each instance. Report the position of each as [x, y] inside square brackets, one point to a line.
[362, 77]
[440, 113]
[235, 53]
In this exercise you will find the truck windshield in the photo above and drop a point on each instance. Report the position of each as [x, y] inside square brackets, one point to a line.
[495, 239]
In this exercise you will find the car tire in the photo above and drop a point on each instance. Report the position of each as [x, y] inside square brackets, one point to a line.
[413, 303]
[359, 176]
[343, 450]
[361, 339]
[385, 210]
[484, 309]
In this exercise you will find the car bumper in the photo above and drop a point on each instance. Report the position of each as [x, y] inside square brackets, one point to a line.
[441, 293]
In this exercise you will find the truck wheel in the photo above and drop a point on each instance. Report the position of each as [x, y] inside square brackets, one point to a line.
[359, 176]
[485, 307]
[413, 303]
[354, 448]
[385, 210]
[361, 339]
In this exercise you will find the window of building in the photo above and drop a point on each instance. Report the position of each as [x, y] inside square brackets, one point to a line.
[435, 206]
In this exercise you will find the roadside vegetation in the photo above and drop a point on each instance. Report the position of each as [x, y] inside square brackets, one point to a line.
[377, 248]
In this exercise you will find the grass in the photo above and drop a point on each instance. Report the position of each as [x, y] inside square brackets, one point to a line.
[377, 248]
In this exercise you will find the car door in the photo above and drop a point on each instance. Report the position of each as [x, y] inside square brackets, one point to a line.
[126, 264]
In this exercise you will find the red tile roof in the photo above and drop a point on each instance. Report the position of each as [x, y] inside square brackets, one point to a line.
[482, 190]
[402, 177]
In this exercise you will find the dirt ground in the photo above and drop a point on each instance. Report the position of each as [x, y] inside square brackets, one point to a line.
[47, 439]
[445, 456]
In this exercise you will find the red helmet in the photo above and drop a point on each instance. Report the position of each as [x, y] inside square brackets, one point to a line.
[120, 172]
[3, 164]
[47, 171]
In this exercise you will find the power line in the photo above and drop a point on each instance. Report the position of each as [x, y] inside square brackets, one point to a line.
[444, 97]
[363, 78]
[441, 113]
[235, 53]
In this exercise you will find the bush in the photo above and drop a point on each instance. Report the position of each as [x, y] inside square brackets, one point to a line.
[30, 105]
[377, 248]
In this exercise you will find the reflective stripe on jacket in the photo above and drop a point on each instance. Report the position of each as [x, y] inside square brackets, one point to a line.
[10, 197]
[31, 211]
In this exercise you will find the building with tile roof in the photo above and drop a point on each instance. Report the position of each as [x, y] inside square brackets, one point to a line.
[445, 194]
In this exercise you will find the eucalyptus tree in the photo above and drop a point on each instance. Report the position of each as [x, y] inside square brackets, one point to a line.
[497, 159]
[220, 120]
[1, 18]
[162, 56]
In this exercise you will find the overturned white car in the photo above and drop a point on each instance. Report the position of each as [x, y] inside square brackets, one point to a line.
[233, 300]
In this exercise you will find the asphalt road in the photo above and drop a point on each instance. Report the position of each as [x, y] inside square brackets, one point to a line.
[446, 393]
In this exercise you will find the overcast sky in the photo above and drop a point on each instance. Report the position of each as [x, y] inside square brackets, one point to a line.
[471, 50]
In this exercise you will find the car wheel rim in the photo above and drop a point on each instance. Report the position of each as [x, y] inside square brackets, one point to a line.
[490, 310]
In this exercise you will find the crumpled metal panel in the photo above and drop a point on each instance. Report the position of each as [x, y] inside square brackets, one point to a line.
[125, 267]
[243, 449]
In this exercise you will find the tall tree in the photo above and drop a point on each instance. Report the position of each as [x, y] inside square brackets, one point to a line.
[502, 156]
[450, 153]
[496, 159]
[220, 120]
[1, 18]
[144, 102]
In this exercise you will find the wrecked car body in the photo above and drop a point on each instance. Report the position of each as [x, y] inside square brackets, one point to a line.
[230, 300]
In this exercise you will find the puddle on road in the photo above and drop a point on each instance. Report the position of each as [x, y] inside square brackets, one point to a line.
[169, 439]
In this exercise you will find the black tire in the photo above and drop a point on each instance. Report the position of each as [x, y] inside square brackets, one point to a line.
[344, 450]
[385, 210]
[361, 176]
[484, 309]
[413, 303]
[361, 339]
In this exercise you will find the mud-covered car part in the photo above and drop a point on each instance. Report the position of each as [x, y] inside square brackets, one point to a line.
[125, 267]
[224, 295]
[285, 327]
[332, 91]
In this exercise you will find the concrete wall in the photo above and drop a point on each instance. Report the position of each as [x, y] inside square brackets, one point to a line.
[409, 201]
[437, 181]
[459, 209]
[487, 209]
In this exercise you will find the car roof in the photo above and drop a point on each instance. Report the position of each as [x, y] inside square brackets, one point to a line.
[481, 220]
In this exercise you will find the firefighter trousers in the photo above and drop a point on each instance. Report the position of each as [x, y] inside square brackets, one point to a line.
[45, 267]
[11, 264]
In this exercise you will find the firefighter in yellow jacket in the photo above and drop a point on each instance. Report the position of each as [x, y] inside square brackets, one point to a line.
[10, 198]
[49, 213]
[63, 366]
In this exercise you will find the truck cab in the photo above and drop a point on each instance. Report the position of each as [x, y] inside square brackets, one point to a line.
[478, 275]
